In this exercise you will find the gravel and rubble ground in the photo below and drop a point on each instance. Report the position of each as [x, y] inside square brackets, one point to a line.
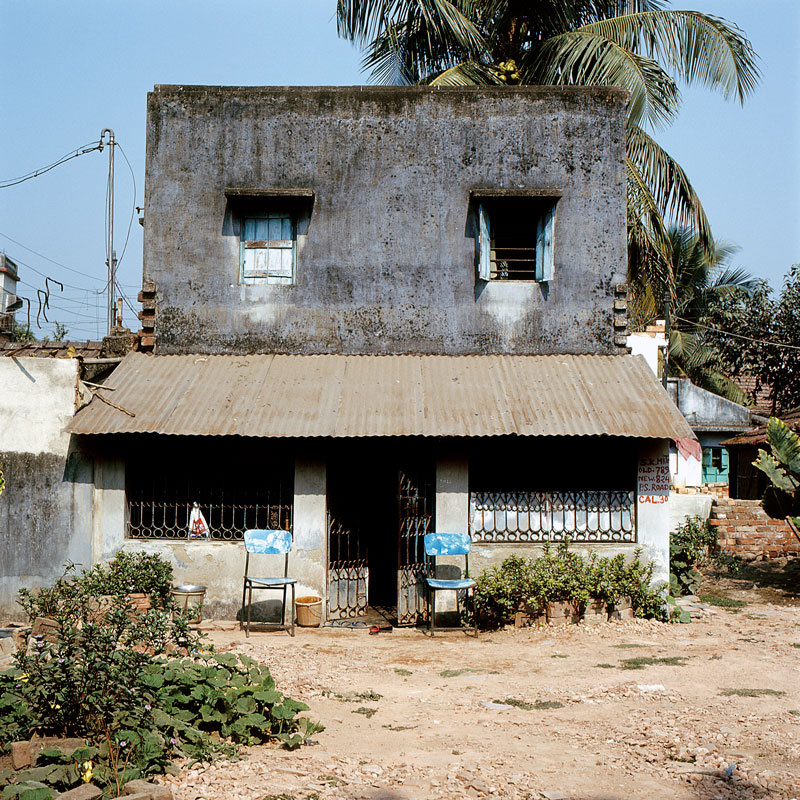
[637, 709]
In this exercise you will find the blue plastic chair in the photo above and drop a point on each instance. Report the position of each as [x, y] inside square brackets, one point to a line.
[448, 544]
[268, 543]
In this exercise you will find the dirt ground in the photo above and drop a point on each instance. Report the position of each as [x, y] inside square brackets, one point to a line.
[407, 716]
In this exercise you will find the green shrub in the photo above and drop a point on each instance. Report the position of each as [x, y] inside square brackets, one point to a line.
[690, 545]
[111, 678]
[561, 574]
[128, 573]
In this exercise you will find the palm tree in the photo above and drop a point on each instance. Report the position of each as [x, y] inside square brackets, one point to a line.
[702, 277]
[637, 44]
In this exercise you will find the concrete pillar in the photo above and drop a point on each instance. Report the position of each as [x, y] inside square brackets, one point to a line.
[452, 494]
[652, 505]
[452, 516]
[110, 512]
[309, 557]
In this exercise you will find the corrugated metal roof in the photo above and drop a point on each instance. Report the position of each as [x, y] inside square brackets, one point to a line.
[400, 395]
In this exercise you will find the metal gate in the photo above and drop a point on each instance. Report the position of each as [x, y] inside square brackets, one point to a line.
[348, 573]
[415, 506]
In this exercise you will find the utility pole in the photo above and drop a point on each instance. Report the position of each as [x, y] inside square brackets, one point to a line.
[111, 260]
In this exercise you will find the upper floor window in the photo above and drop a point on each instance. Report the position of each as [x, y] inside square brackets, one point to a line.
[515, 237]
[268, 248]
[268, 223]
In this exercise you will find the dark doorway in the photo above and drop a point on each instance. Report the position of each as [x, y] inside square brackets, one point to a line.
[380, 504]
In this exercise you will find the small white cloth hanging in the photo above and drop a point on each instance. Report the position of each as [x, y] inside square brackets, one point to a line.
[198, 527]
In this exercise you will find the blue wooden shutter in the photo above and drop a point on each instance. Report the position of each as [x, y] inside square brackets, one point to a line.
[544, 245]
[484, 245]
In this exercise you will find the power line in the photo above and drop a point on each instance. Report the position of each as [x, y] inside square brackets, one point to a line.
[79, 151]
[46, 258]
[133, 207]
[739, 335]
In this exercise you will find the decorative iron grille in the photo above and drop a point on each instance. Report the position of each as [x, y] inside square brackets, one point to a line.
[348, 574]
[232, 497]
[587, 516]
[149, 519]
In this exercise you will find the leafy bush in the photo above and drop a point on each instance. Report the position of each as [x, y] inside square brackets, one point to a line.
[108, 676]
[562, 574]
[128, 573]
[690, 545]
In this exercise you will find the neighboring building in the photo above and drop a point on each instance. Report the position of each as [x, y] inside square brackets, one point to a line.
[713, 419]
[377, 312]
[9, 276]
[746, 481]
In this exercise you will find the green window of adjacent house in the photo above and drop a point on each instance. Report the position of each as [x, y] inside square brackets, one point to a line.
[715, 465]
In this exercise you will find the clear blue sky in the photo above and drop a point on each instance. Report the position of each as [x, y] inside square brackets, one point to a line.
[70, 69]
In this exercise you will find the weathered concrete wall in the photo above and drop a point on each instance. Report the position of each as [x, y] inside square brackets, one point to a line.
[387, 263]
[46, 509]
[707, 411]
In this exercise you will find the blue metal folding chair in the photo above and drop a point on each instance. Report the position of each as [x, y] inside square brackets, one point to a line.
[448, 544]
[268, 543]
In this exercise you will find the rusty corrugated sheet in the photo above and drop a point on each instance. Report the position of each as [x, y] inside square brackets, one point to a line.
[402, 395]
[758, 435]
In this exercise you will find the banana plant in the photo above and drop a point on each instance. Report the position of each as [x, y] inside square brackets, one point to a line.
[782, 467]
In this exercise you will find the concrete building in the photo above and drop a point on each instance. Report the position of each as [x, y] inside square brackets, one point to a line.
[377, 312]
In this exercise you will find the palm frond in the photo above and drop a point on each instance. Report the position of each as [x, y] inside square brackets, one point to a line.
[698, 48]
[581, 58]
[420, 43]
[468, 73]
[668, 184]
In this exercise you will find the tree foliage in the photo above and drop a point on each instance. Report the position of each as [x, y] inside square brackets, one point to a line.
[757, 334]
[702, 278]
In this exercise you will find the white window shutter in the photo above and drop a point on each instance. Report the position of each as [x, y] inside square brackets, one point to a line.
[544, 245]
[484, 245]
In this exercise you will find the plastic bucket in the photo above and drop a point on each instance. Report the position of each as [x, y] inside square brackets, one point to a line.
[187, 596]
[309, 611]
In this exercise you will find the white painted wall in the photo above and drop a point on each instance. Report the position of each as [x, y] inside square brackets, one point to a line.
[37, 401]
[642, 344]
[652, 506]
[684, 471]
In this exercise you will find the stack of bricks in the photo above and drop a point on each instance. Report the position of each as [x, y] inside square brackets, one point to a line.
[718, 490]
[745, 530]
[147, 333]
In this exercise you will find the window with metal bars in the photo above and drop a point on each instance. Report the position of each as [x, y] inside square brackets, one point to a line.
[236, 489]
[515, 238]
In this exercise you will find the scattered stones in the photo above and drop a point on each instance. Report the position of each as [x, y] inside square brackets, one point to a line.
[85, 792]
[152, 790]
[20, 755]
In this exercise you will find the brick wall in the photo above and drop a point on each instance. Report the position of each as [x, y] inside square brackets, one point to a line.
[745, 530]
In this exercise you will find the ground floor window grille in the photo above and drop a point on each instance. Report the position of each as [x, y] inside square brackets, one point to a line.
[582, 516]
[232, 500]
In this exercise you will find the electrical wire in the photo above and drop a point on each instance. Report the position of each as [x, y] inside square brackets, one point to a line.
[45, 275]
[79, 151]
[51, 260]
[133, 207]
[739, 335]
